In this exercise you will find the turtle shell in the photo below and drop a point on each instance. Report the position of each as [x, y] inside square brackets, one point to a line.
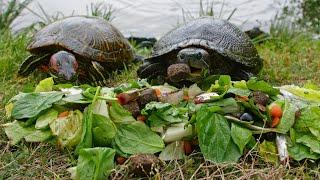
[213, 34]
[92, 38]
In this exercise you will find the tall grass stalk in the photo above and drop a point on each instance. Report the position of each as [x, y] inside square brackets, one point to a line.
[102, 10]
[207, 9]
[10, 10]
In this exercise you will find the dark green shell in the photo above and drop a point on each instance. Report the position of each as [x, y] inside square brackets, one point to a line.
[92, 38]
[213, 34]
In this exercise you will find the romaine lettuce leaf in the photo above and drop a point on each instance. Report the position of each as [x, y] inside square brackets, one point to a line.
[94, 163]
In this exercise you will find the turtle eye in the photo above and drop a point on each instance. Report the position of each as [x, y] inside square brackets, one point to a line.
[199, 55]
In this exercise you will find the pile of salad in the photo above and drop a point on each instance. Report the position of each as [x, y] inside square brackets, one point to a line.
[144, 126]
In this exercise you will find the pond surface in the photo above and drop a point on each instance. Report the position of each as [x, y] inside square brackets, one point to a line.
[153, 18]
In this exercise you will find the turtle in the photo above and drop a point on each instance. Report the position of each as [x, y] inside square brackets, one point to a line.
[213, 46]
[78, 49]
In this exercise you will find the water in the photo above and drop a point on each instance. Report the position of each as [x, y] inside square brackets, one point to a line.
[153, 18]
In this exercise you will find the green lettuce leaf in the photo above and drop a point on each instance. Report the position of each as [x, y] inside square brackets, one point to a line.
[214, 137]
[316, 132]
[45, 85]
[68, 129]
[138, 138]
[103, 130]
[239, 88]
[221, 86]
[309, 118]
[288, 117]
[228, 105]
[75, 99]
[241, 136]
[256, 85]
[311, 141]
[45, 119]
[119, 115]
[95, 163]
[29, 105]
[86, 135]
[133, 85]
[160, 114]
[299, 151]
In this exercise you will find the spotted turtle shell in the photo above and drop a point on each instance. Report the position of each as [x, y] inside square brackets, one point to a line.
[213, 34]
[92, 38]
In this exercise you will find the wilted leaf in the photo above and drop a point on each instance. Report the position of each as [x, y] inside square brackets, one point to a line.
[15, 132]
[268, 151]
[100, 107]
[8, 109]
[68, 129]
[38, 136]
[173, 151]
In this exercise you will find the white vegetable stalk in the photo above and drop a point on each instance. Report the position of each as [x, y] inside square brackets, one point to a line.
[177, 132]
[282, 148]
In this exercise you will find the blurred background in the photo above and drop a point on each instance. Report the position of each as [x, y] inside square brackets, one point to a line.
[153, 18]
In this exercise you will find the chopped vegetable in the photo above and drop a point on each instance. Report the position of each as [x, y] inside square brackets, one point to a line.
[120, 160]
[275, 121]
[187, 147]
[142, 118]
[158, 92]
[63, 114]
[276, 111]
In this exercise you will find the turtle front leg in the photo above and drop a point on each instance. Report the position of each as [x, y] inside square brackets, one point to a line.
[155, 72]
[31, 63]
[241, 74]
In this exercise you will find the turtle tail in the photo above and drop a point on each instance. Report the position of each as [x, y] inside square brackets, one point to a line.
[31, 63]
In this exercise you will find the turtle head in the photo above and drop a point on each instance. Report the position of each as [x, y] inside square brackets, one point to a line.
[189, 65]
[63, 66]
[196, 58]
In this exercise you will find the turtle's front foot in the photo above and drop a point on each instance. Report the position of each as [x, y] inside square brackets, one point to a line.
[151, 71]
[242, 75]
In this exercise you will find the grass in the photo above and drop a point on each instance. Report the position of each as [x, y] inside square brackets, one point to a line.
[290, 57]
[10, 10]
